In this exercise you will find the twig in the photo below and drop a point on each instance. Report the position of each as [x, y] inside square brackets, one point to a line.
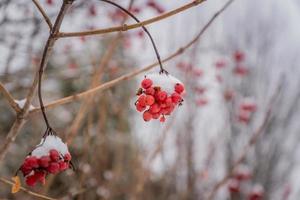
[87, 102]
[10, 99]
[130, 75]
[3, 180]
[40, 8]
[20, 120]
[133, 26]
[257, 133]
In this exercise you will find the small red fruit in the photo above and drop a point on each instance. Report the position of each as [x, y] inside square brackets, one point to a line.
[54, 155]
[67, 157]
[147, 116]
[162, 119]
[31, 180]
[234, 186]
[155, 115]
[179, 88]
[49, 2]
[149, 100]
[150, 91]
[44, 161]
[155, 108]
[32, 161]
[142, 100]
[53, 168]
[140, 107]
[146, 83]
[162, 95]
[25, 169]
[176, 98]
[63, 166]
[40, 176]
[239, 56]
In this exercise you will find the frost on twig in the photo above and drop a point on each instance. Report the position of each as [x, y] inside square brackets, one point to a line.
[21, 104]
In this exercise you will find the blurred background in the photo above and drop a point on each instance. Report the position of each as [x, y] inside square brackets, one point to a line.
[239, 118]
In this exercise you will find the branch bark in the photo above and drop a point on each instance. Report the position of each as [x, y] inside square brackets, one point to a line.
[133, 26]
[40, 8]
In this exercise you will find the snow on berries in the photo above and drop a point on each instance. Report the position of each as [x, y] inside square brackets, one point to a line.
[51, 156]
[158, 96]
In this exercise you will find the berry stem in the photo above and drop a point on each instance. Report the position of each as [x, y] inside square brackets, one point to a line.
[162, 70]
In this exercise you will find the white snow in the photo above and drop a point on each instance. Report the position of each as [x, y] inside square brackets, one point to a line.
[48, 143]
[22, 102]
[166, 82]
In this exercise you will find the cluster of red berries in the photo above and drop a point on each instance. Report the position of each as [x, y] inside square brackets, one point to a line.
[155, 103]
[36, 169]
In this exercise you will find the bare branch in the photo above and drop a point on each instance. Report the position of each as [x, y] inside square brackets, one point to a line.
[130, 75]
[40, 8]
[133, 26]
[9, 99]
[3, 180]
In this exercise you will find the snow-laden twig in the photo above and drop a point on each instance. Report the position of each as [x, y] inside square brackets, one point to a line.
[21, 104]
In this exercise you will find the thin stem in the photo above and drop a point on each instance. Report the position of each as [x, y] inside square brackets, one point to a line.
[162, 70]
[40, 8]
[133, 26]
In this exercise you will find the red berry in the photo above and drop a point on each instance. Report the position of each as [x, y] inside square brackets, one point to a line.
[53, 168]
[155, 108]
[146, 83]
[220, 64]
[40, 176]
[176, 98]
[162, 119]
[63, 166]
[169, 101]
[25, 169]
[44, 161]
[244, 117]
[49, 2]
[248, 106]
[67, 157]
[234, 186]
[155, 115]
[140, 108]
[241, 70]
[150, 91]
[161, 95]
[201, 102]
[32, 161]
[31, 180]
[54, 155]
[239, 56]
[179, 88]
[149, 100]
[147, 116]
[142, 100]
